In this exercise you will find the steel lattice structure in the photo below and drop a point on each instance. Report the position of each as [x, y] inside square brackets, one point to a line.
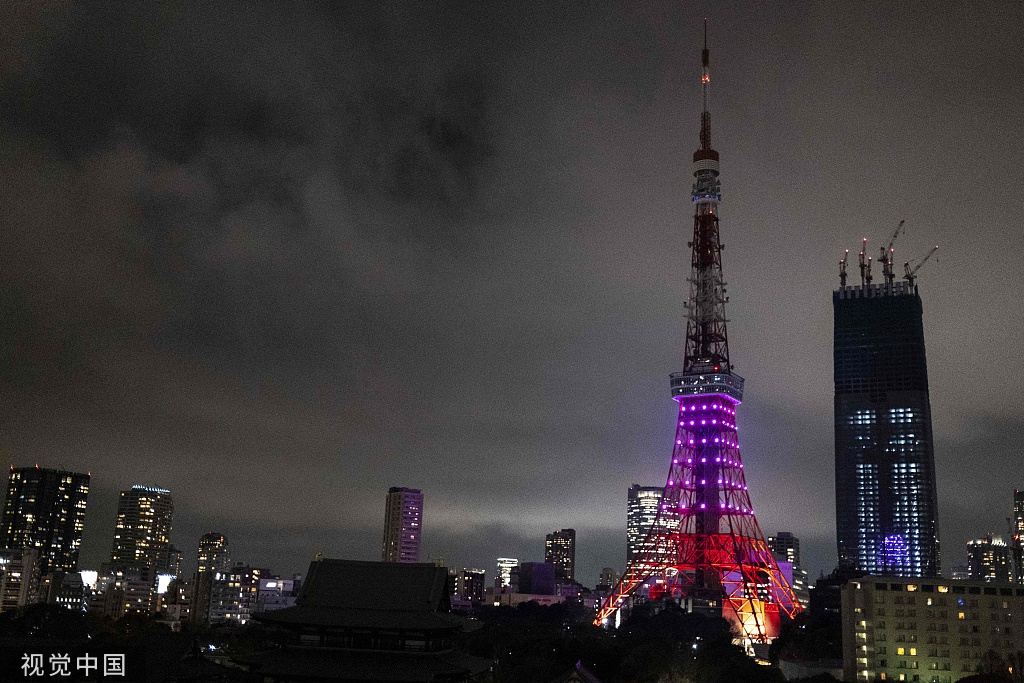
[705, 544]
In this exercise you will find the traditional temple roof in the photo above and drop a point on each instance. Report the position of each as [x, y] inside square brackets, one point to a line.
[350, 583]
[369, 596]
[578, 674]
[372, 595]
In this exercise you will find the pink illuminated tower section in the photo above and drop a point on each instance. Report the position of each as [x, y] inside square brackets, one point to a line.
[706, 546]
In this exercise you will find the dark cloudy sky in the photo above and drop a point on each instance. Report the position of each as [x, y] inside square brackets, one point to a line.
[280, 257]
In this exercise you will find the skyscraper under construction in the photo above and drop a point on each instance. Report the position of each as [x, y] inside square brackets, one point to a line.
[886, 513]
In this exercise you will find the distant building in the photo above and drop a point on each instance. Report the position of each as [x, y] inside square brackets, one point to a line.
[68, 590]
[642, 505]
[786, 548]
[249, 580]
[276, 593]
[235, 594]
[786, 545]
[225, 593]
[959, 572]
[20, 576]
[534, 578]
[213, 554]
[213, 558]
[608, 579]
[403, 525]
[560, 551]
[516, 599]
[988, 559]
[471, 585]
[142, 536]
[886, 509]
[1018, 535]
[826, 598]
[175, 561]
[906, 629]
[125, 589]
[504, 575]
[175, 604]
[45, 509]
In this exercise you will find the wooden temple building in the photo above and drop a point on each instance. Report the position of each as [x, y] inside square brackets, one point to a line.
[368, 621]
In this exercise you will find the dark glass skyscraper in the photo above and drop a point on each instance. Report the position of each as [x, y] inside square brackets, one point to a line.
[886, 513]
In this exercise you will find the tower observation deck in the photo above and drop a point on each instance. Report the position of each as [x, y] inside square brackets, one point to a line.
[706, 548]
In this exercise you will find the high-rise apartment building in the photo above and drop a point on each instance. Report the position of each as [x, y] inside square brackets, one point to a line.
[213, 565]
[403, 525]
[988, 559]
[20, 577]
[143, 533]
[560, 551]
[45, 509]
[225, 593]
[786, 548]
[1018, 535]
[786, 545]
[505, 566]
[886, 511]
[213, 554]
[642, 505]
[471, 585]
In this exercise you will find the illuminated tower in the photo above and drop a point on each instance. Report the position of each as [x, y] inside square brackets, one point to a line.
[403, 525]
[886, 508]
[45, 509]
[705, 546]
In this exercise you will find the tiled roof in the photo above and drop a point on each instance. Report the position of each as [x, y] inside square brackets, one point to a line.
[378, 595]
[375, 585]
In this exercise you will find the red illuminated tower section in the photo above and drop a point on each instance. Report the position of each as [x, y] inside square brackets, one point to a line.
[706, 546]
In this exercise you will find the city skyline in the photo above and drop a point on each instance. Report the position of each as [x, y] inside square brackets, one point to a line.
[220, 289]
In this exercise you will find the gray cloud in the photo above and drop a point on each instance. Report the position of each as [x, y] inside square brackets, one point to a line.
[279, 257]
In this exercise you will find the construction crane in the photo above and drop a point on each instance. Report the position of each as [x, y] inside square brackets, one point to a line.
[865, 266]
[920, 261]
[886, 256]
